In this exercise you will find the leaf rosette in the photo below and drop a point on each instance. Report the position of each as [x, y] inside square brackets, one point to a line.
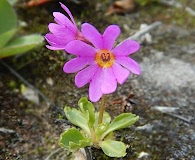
[92, 133]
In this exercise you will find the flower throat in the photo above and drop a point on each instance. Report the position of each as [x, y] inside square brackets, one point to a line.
[104, 58]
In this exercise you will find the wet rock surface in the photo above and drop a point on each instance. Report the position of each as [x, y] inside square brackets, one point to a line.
[167, 80]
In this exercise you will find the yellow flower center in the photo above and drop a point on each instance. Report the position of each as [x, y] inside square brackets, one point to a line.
[104, 58]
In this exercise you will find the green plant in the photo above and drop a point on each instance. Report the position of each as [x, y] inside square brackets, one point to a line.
[101, 64]
[9, 43]
[92, 133]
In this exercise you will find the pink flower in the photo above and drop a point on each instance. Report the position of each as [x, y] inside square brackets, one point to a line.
[63, 32]
[101, 65]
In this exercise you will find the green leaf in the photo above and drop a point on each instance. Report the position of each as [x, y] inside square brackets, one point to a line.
[121, 121]
[8, 19]
[100, 129]
[88, 110]
[77, 118]
[6, 36]
[20, 45]
[105, 120]
[73, 139]
[113, 148]
[12, 2]
[8, 22]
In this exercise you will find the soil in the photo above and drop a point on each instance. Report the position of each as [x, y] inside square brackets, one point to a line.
[30, 130]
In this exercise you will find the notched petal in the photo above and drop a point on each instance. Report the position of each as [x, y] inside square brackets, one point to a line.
[83, 77]
[80, 48]
[92, 34]
[95, 92]
[110, 35]
[130, 64]
[109, 82]
[120, 73]
[76, 64]
[126, 48]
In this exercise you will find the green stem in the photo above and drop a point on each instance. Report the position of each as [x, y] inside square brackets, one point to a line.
[93, 136]
[102, 106]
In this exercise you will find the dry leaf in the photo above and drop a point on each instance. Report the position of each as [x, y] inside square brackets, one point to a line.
[122, 6]
[33, 3]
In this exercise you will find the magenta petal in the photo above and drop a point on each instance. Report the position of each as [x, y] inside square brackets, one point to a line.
[110, 35]
[126, 48]
[95, 92]
[58, 40]
[77, 64]
[120, 73]
[109, 83]
[54, 48]
[80, 48]
[55, 28]
[69, 13]
[85, 76]
[130, 64]
[62, 31]
[91, 33]
[61, 19]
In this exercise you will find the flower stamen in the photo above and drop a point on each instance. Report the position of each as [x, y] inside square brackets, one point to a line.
[104, 58]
